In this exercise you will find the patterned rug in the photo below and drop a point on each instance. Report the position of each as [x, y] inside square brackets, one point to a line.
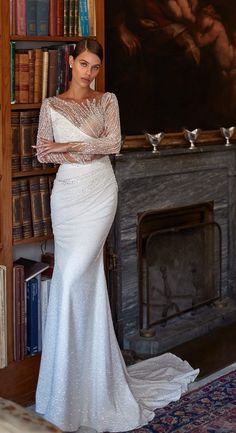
[209, 409]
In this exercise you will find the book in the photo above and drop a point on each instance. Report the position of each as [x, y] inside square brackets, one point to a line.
[13, 67]
[3, 317]
[52, 24]
[25, 209]
[84, 19]
[32, 294]
[38, 75]
[15, 140]
[45, 73]
[21, 76]
[31, 17]
[59, 17]
[36, 206]
[31, 56]
[71, 17]
[32, 268]
[20, 11]
[66, 17]
[34, 132]
[45, 202]
[42, 17]
[19, 311]
[52, 71]
[17, 232]
[92, 17]
[25, 140]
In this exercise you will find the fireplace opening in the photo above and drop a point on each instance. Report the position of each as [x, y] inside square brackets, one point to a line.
[179, 262]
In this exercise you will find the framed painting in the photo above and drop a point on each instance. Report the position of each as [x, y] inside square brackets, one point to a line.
[172, 63]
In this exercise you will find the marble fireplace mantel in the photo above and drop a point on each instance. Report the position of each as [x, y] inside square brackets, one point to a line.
[177, 177]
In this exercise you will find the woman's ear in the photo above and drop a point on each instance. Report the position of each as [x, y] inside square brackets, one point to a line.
[71, 61]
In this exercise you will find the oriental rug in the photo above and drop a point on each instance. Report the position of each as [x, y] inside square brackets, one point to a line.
[209, 409]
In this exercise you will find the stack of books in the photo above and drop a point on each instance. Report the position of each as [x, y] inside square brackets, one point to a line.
[30, 294]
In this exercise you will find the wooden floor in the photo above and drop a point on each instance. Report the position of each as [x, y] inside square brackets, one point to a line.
[211, 352]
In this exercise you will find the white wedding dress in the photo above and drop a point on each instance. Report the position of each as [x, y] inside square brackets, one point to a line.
[83, 379]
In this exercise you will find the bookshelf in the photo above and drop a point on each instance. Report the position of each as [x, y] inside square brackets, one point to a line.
[18, 380]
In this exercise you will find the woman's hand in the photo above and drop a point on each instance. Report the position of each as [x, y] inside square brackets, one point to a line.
[46, 146]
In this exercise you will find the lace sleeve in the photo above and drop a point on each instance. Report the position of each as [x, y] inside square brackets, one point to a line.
[110, 141]
[45, 131]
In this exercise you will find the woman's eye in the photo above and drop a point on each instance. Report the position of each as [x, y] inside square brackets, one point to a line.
[83, 64]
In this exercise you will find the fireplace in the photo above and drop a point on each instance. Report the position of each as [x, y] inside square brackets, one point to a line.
[178, 199]
[179, 262]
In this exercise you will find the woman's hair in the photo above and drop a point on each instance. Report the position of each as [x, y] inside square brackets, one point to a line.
[87, 44]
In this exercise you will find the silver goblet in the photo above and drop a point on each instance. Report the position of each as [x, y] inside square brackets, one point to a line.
[155, 140]
[227, 134]
[191, 136]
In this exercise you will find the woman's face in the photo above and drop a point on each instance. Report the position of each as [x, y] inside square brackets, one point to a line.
[85, 68]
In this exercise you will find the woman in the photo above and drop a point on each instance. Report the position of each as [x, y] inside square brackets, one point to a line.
[83, 379]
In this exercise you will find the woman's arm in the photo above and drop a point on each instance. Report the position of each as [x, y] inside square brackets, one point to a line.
[45, 135]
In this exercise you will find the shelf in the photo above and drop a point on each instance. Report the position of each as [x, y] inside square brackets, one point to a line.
[33, 240]
[34, 172]
[48, 38]
[25, 106]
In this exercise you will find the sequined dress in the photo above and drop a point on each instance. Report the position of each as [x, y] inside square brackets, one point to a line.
[83, 379]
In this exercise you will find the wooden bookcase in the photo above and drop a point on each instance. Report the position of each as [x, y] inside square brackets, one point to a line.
[18, 380]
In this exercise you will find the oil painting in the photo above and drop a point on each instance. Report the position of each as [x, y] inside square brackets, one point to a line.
[172, 63]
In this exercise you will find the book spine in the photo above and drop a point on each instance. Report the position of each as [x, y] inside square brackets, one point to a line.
[39, 314]
[66, 18]
[31, 17]
[92, 17]
[52, 22]
[34, 132]
[38, 75]
[71, 17]
[45, 73]
[31, 75]
[3, 317]
[20, 17]
[32, 316]
[26, 209]
[42, 17]
[22, 80]
[13, 66]
[45, 202]
[19, 312]
[25, 140]
[23, 313]
[52, 72]
[83, 13]
[15, 139]
[16, 211]
[36, 206]
[59, 18]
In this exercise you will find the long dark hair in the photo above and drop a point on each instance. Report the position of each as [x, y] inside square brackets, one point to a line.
[91, 45]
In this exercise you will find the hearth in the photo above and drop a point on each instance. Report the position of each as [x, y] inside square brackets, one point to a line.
[179, 262]
[163, 200]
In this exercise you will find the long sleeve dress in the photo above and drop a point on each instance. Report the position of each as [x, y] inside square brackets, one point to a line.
[83, 380]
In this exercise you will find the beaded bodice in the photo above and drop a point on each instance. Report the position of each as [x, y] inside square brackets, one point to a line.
[91, 126]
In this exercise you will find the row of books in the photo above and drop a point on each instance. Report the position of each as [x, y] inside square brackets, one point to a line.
[37, 73]
[31, 206]
[24, 128]
[53, 17]
[3, 317]
[31, 289]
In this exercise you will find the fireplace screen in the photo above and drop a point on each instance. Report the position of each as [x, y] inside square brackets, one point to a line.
[179, 270]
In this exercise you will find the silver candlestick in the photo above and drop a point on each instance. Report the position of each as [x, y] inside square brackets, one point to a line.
[191, 136]
[227, 134]
[155, 140]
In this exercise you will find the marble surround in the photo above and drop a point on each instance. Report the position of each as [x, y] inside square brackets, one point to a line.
[177, 177]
